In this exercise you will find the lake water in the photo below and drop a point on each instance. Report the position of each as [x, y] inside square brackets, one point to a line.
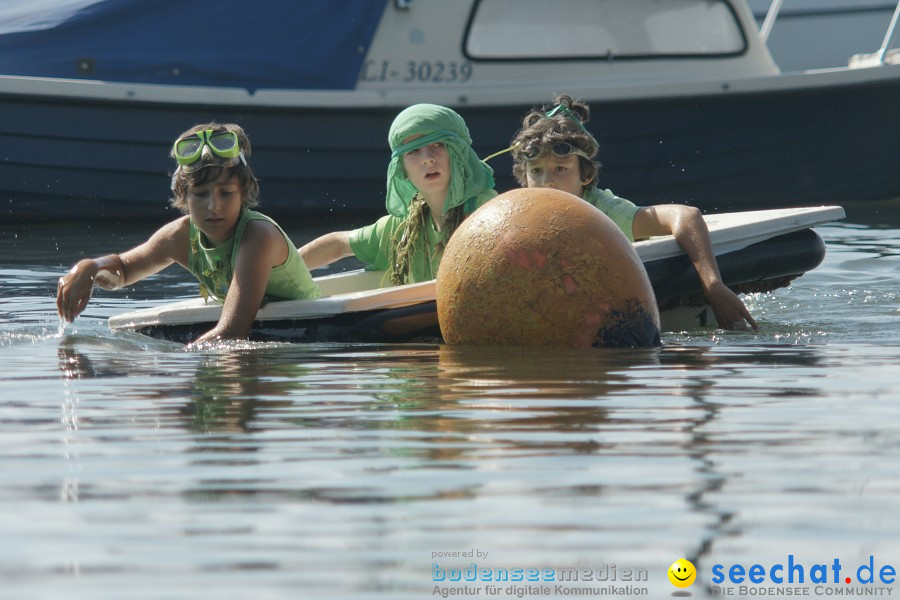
[132, 468]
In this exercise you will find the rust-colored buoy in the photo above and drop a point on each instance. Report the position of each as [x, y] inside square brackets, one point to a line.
[541, 267]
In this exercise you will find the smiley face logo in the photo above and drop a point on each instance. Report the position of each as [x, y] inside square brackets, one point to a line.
[682, 573]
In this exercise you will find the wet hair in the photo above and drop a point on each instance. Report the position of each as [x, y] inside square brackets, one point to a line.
[183, 181]
[543, 132]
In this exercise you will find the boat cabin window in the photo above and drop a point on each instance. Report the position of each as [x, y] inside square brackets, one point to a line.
[538, 29]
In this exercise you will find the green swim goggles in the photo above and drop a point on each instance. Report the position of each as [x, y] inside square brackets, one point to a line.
[225, 150]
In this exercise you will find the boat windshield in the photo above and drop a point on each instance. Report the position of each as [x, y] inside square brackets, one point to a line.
[537, 29]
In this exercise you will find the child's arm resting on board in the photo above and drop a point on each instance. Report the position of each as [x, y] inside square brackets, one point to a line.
[686, 224]
[114, 271]
[326, 249]
[262, 248]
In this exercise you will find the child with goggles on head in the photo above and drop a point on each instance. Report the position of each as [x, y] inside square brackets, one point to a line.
[434, 181]
[554, 149]
[240, 256]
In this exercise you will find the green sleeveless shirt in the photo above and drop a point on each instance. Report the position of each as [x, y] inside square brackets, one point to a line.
[214, 267]
[619, 210]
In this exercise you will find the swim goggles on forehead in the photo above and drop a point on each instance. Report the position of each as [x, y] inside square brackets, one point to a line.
[225, 150]
[559, 149]
[533, 151]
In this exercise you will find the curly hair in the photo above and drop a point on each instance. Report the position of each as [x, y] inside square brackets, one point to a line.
[542, 128]
[183, 181]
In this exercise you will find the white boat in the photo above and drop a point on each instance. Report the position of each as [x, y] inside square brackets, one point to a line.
[821, 34]
[687, 102]
[757, 251]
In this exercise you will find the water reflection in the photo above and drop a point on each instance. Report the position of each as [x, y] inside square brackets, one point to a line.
[223, 395]
[72, 367]
[491, 395]
[543, 456]
[228, 389]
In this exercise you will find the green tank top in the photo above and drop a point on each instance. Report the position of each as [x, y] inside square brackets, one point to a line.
[214, 267]
[619, 210]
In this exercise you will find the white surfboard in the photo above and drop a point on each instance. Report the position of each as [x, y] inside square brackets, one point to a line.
[360, 290]
[732, 231]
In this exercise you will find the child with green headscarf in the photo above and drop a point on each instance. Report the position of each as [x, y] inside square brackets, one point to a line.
[434, 181]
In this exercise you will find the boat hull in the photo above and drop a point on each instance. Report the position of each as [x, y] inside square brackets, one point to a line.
[71, 157]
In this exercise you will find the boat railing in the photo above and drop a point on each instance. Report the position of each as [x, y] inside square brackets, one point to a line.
[879, 57]
[889, 36]
[769, 21]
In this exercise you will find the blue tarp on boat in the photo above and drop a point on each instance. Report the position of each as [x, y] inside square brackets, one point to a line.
[308, 44]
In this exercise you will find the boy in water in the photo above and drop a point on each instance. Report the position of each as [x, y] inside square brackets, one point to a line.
[555, 150]
[434, 181]
[239, 256]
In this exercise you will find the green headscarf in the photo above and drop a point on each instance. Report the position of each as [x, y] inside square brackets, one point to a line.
[469, 177]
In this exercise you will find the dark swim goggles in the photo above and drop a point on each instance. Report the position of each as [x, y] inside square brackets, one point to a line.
[225, 150]
[560, 149]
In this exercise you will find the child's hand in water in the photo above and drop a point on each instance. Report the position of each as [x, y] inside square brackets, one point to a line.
[730, 311]
[75, 288]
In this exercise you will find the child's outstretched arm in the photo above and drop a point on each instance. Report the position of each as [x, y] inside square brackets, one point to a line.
[326, 249]
[690, 231]
[114, 271]
[75, 287]
[262, 248]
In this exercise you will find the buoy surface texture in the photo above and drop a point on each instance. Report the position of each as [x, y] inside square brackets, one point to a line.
[541, 267]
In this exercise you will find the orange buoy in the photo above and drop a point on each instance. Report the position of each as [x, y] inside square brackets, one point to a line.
[541, 267]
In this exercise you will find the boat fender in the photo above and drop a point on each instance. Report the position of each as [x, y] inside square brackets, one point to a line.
[541, 267]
